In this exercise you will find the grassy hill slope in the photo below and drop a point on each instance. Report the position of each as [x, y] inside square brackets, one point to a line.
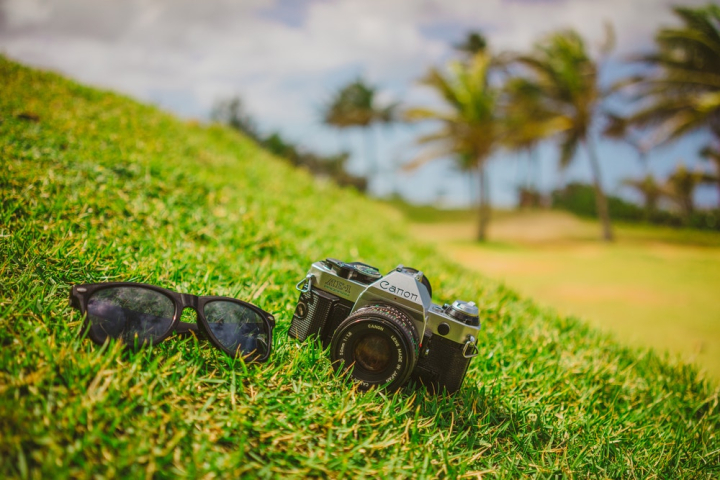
[96, 187]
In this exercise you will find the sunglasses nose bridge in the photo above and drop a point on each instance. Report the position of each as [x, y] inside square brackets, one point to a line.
[189, 301]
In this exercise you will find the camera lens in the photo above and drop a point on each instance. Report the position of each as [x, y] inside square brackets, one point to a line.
[373, 353]
[378, 345]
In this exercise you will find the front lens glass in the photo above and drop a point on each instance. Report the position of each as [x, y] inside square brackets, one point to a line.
[237, 327]
[373, 353]
[378, 345]
[135, 315]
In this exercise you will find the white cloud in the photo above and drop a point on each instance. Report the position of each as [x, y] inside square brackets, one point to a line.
[214, 47]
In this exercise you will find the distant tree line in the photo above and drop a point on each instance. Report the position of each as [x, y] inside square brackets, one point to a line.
[579, 198]
[232, 113]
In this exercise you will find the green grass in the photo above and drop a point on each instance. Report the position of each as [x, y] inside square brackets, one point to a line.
[96, 187]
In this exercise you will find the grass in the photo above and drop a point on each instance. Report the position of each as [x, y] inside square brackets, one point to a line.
[97, 187]
[653, 286]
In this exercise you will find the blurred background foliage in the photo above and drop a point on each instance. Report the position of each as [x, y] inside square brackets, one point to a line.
[516, 101]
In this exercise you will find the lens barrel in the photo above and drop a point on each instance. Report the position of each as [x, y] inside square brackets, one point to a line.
[378, 345]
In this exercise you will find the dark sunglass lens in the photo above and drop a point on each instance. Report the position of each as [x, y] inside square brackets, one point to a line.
[135, 315]
[237, 328]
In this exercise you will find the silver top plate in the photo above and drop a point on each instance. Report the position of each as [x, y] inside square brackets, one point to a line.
[396, 288]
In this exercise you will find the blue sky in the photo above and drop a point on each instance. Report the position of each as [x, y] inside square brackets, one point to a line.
[286, 57]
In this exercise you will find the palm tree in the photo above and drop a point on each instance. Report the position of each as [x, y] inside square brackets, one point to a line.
[713, 155]
[680, 187]
[355, 105]
[469, 130]
[681, 93]
[567, 79]
[650, 190]
[474, 42]
[526, 122]
[618, 128]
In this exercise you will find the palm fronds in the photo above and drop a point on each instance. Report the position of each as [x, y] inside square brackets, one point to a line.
[682, 93]
[468, 130]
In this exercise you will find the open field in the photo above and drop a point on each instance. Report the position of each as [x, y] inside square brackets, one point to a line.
[654, 286]
[96, 187]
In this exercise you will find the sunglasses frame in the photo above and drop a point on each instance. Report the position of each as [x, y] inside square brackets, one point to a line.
[80, 295]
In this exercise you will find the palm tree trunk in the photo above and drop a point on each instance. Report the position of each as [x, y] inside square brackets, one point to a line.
[600, 200]
[535, 168]
[644, 162]
[521, 180]
[483, 204]
[370, 153]
[471, 184]
[535, 182]
[717, 176]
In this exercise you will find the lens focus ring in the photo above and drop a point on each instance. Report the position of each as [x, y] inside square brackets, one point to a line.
[379, 343]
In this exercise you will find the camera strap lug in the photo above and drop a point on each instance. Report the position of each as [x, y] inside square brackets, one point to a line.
[470, 349]
[305, 285]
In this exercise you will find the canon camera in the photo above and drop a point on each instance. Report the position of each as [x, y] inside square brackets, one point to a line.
[384, 329]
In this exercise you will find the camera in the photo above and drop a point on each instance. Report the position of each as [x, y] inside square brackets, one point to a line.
[384, 329]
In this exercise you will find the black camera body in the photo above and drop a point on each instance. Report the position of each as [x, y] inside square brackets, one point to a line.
[385, 329]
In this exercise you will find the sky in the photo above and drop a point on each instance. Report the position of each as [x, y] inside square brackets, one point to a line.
[285, 58]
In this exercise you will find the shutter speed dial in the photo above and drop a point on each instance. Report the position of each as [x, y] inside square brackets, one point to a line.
[360, 272]
[466, 312]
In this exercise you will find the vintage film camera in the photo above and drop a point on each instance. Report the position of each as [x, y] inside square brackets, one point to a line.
[385, 329]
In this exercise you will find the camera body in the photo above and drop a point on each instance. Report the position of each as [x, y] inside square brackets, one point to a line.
[385, 328]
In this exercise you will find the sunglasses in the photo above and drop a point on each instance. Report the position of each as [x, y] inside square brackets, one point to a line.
[138, 314]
